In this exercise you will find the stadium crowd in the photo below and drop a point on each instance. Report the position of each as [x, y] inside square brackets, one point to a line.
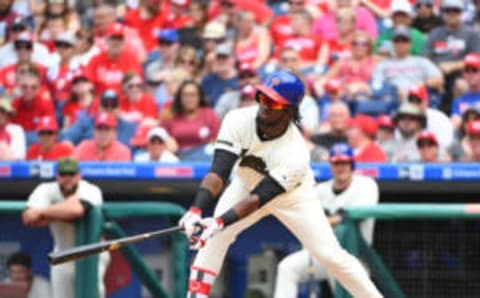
[151, 80]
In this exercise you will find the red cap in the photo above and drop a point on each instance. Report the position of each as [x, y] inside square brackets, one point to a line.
[140, 138]
[106, 119]
[385, 121]
[246, 67]
[248, 91]
[47, 123]
[472, 60]
[365, 123]
[427, 136]
[418, 91]
[116, 29]
[473, 127]
[333, 85]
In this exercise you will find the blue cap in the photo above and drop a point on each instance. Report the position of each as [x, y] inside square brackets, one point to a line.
[341, 152]
[283, 86]
[170, 35]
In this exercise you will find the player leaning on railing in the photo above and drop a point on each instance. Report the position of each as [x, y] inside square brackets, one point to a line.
[273, 178]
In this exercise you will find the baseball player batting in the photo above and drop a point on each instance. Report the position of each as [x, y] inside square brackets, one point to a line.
[273, 177]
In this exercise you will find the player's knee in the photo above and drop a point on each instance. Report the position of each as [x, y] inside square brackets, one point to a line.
[331, 257]
[287, 268]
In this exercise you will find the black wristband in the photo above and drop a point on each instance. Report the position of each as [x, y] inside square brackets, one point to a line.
[229, 217]
[268, 189]
[203, 199]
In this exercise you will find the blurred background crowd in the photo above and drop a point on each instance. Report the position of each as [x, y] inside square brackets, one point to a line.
[151, 80]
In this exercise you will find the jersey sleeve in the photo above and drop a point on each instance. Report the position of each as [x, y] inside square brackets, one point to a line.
[40, 197]
[230, 136]
[92, 194]
[369, 196]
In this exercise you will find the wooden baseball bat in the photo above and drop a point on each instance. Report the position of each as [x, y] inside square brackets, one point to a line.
[83, 251]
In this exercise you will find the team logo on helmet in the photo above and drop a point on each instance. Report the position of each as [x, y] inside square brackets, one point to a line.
[275, 81]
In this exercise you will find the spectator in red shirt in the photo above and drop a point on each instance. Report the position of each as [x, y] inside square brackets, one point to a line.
[81, 101]
[263, 14]
[194, 124]
[104, 17]
[23, 46]
[48, 147]
[31, 104]
[136, 105]
[281, 28]
[361, 134]
[106, 70]
[178, 15]
[12, 136]
[60, 75]
[146, 19]
[104, 146]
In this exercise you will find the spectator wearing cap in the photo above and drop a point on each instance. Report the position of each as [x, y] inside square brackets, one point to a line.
[409, 120]
[247, 76]
[48, 146]
[326, 26]
[429, 148]
[85, 48]
[60, 75]
[7, 18]
[136, 105]
[40, 53]
[223, 76]
[31, 104]
[214, 34]
[81, 100]
[472, 153]
[146, 19]
[23, 45]
[447, 46]
[437, 121]
[385, 135]
[252, 42]
[84, 127]
[361, 134]
[405, 70]
[162, 60]
[106, 70]
[194, 125]
[333, 131]
[332, 92]
[426, 18]
[156, 147]
[401, 13]
[471, 73]
[191, 34]
[104, 146]
[104, 17]
[12, 136]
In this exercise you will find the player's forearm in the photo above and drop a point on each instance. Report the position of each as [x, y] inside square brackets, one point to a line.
[241, 210]
[69, 209]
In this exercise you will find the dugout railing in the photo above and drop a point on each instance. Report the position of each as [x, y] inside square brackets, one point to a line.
[392, 282]
[100, 220]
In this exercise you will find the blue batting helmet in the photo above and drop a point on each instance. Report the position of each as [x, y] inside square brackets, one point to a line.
[284, 87]
[341, 152]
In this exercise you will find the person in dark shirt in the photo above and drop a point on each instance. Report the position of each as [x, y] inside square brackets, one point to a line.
[426, 19]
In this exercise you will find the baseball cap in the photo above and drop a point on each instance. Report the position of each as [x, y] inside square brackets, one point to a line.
[427, 136]
[214, 30]
[6, 106]
[109, 98]
[365, 123]
[24, 37]
[401, 6]
[459, 4]
[18, 23]
[106, 119]
[158, 132]
[246, 68]
[248, 91]
[47, 123]
[224, 49]
[409, 109]
[472, 60]
[116, 29]
[384, 121]
[340, 152]
[66, 37]
[401, 31]
[139, 139]
[473, 127]
[418, 91]
[67, 165]
[169, 35]
[333, 85]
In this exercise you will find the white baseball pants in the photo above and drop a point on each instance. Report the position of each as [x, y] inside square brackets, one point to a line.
[301, 212]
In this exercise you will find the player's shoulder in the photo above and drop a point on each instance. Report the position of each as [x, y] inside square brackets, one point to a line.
[364, 180]
[239, 115]
[89, 186]
[47, 187]
[324, 185]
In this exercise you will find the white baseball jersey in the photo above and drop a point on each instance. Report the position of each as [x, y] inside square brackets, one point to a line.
[285, 158]
[361, 191]
[49, 193]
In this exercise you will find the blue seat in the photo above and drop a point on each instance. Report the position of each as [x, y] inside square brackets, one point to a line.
[372, 107]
